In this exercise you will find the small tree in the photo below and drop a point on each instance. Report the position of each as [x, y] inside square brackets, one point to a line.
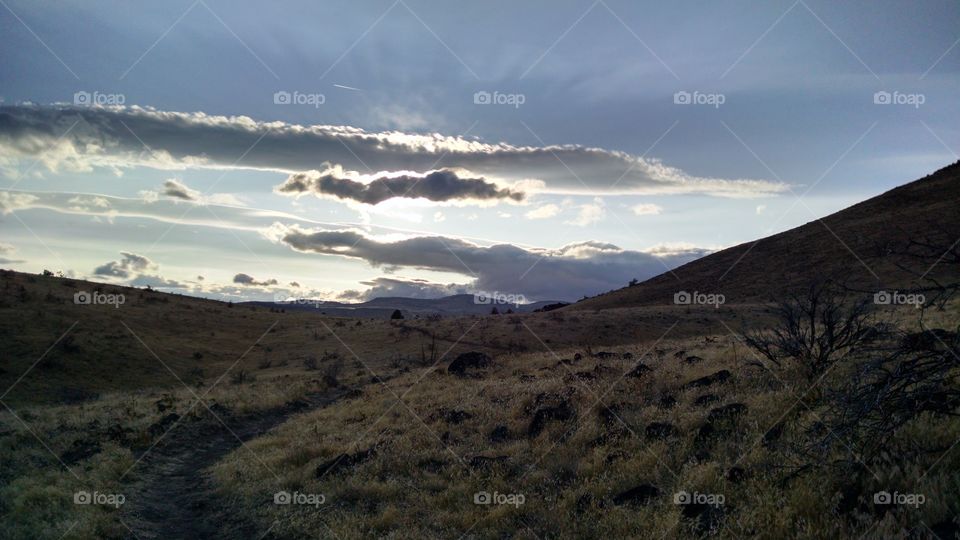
[396, 314]
[494, 311]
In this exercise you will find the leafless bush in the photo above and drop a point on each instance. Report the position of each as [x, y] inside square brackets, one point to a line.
[920, 374]
[814, 330]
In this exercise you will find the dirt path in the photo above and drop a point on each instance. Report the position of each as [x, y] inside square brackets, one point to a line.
[173, 495]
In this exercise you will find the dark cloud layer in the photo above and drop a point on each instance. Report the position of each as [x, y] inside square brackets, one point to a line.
[442, 185]
[567, 273]
[406, 288]
[129, 265]
[81, 138]
[245, 279]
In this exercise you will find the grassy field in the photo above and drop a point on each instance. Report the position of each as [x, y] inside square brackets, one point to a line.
[584, 424]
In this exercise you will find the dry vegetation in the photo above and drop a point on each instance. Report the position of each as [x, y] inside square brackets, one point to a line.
[597, 419]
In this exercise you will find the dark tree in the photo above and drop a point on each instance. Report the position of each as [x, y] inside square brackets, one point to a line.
[396, 314]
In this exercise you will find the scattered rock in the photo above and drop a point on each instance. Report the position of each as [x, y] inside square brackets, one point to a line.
[165, 423]
[469, 361]
[706, 399]
[499, 434]
[708, 517]
[543, 415]
[736, 475]
[726, 412]
[80, 450]
[627, 356]
[639, 370]
[720, 376]
[660, 430]
[603, 355]
[692, 360]
[486, 462]
[639, 495]
[667, 402]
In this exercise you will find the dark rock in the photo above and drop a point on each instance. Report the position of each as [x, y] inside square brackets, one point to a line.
[627, 356]
[577, 357]
[80, 450]
[708, 517]
[469, 361]
[639, 495]
[772, 435]
[486, 462]
[680, 355]
[692, 360]
[610, 416]
[431, 465]
[720, 376]
[499, 434]
[639, 370]
[583, 504]
[726, 412]
[542, 416]
[667, 402]
[706, 399]
[603, 355]
[660, 430]
[946, 529]
[165, 423]
[736, 475]
[343, 461]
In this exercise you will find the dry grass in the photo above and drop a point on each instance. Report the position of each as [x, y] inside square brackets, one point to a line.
[421, 481]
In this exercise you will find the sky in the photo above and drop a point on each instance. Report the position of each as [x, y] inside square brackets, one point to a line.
[548, 150]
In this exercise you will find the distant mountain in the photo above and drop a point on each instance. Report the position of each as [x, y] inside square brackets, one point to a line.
[383, 307]
[857, 245]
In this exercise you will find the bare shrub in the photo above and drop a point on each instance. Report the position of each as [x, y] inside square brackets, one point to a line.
[814, 330]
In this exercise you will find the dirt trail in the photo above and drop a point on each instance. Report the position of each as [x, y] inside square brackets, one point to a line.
[173, 495]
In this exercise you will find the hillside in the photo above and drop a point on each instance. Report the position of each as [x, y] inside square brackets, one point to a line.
[858, 245]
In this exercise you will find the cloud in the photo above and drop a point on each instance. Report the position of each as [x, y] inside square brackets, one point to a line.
[589, 213]
[438, 186]
[178, 190]
[244, 279]
[129, 265]
[646, 209]
[7, 251]
[11, 201]
[407, 288]
[111, 137]
[543, 212]
[566, 273]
